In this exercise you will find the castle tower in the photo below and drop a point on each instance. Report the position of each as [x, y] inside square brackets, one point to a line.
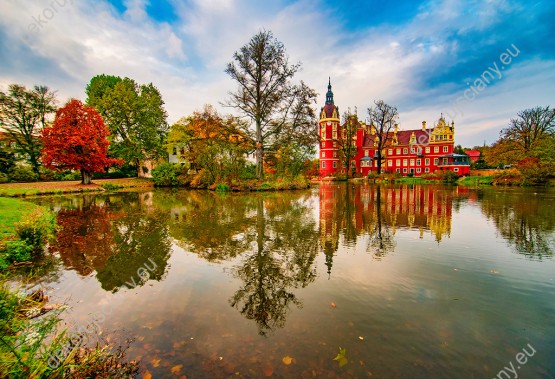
[329, 130]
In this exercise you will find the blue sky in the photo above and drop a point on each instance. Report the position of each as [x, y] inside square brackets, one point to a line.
[478, 62]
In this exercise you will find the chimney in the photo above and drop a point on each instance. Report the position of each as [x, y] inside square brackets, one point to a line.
[424, 125]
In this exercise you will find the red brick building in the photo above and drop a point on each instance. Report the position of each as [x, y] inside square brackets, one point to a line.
[417, 151]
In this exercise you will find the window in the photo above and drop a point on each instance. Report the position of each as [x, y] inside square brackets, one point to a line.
[389, 163]
[456, 169]
[412, 162]
[398, 170]
[366, 153]
[405, 162]
[405, 151]
[323, 134]
[389, 151]
[445, 149]
[427, 169]
[335, 154]
[334, 164]
[323, 154]
[436, 149]
[418, 162]
[436, 161]
[412, 150]
[334, 144]
[418, 170]
[334, 127]
[334, 135]
[427, 149]
[398, 151]
[323, 164]
[427, 161]
[397, 162]
[323, 144]
[404, 171]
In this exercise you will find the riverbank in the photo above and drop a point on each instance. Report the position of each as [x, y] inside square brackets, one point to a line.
[56, 188]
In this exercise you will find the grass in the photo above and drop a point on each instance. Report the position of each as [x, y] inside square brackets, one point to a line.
[11, 212]
[55, 188]
[476, 180]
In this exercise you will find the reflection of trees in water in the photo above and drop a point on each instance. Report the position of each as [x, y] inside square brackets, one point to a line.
[381, 240]
[115, 236]
[275, 237]
[525, 219]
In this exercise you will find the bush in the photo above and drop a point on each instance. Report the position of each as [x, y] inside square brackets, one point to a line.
[70, 176]
[37, 228]
[533, 171]
[165, 174]
[202, 179]
[3, 178]
[23, 174]
[248, 172]
[110, 187]
[222, 187]
[449, 176]
[17, 251]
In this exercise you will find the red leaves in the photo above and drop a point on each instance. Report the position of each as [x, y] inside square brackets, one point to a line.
[77, 140]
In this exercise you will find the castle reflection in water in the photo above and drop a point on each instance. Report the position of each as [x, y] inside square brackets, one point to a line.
[377, 212]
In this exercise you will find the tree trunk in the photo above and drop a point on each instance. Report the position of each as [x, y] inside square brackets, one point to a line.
[259, 152]
[86, 177]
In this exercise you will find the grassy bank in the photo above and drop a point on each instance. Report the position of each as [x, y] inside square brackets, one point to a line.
[54, 188]
[476, 180]
[11, 212]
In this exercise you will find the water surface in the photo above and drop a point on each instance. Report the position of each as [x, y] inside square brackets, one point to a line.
[412, 281]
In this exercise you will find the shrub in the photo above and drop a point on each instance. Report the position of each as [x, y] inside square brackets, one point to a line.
[222, 187]
[110, 187]
[3, 178]
[248, 172]
[165, 174]
[410, 175]
[23, 174]
[37, 228]
[70, 176]
[202, 179]
[449, 176]
[18, 251]
[533, 171]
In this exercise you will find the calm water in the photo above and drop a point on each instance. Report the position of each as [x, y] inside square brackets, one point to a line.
[412, 281]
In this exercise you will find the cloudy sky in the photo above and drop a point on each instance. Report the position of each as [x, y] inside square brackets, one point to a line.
[478, 62]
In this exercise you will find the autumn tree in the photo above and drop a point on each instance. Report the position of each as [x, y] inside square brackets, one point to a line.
[346, 140]
[23, 113]
[135, 116]
[77, 141]
[530, 128]
[208, 141]
[277, 109]
[384, 118]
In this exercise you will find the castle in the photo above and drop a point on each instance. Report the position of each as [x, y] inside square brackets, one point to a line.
[410, 152]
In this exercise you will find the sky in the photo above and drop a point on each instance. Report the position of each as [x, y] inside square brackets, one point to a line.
[477, 62]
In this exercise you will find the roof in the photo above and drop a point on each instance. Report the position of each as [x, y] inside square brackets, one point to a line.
[403, 137]
[328, 109]
[473, 153]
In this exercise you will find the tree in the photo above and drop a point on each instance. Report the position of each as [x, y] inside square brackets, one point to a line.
[346, 140]
[77, 141]
[530, 127]
[384, 117]
[278, 110]
[23, 113]
[135, 116]
[209, 141]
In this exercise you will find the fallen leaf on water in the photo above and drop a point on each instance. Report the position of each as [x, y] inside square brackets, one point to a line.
[333, 305]
[361, 338]
[155, 362]
[268, 370]
[176, 369]
[287, 360]
[147, 375]
[494, 271]
[341, 358]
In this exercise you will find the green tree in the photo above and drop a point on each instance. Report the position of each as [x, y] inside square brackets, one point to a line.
[278, 110]
[135, 116]
[384, 117]
[23, 113]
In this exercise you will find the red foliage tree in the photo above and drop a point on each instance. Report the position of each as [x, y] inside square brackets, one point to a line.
[77, 141]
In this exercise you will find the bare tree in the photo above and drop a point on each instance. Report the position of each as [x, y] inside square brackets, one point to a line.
[277, 108]
[529, 128]
[384, 117]
[346, 140]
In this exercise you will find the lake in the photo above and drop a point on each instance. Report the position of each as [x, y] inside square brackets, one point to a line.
[391, 281]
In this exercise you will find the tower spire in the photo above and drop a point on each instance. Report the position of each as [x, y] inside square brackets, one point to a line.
[329, 94]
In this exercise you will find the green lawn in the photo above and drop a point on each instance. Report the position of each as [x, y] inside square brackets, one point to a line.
[12, 211]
